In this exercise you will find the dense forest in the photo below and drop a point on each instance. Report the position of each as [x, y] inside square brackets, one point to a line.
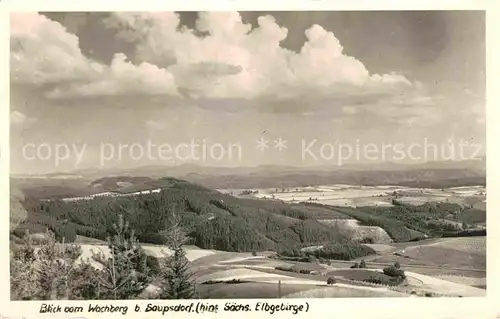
[213, 220]
[219, 221]
[409, 223]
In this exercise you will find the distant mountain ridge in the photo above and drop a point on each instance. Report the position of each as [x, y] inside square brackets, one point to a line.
[476, 165]
[424, 175]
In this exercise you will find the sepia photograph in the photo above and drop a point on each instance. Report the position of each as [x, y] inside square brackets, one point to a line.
[247, 155]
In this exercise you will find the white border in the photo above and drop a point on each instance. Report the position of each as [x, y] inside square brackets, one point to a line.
[243, 5]
[386, 308]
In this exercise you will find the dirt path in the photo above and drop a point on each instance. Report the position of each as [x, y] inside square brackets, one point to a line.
[447, 287]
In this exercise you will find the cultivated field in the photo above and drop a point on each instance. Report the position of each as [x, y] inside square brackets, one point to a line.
[459, 252]
[346, 291]
[241, 275]
[358, 196]
[474, 245]
[438, 267]
[434, 267]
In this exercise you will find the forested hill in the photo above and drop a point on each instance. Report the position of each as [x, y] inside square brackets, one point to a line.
[223, 222]
[215, 220]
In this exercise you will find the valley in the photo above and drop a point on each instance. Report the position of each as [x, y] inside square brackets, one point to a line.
[284, 242]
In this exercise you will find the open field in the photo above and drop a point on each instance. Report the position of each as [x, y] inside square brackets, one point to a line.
[433, 268]
[253, 280]
[248, 290]
[288, 225]
[441, 286]
[475, 245]
[241, 275]
[459, 252]
[434, 256]
[367, 216]
[469, 281]
[359, 196]
[338, 291]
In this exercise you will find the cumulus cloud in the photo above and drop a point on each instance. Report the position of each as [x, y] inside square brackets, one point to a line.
[43, 52]
[264, 67]
[122, 77]
[229, 61]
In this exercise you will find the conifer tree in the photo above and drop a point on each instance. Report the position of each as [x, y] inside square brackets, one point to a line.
[56, 261]
[176, 273]
[24, 280]
[362, 264]
[43, 273]
[84, 282]
[125, 273]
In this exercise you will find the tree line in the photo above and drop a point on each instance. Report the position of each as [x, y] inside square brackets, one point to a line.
[212, 220]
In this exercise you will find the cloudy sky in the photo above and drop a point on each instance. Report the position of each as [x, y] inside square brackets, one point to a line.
[85, 80]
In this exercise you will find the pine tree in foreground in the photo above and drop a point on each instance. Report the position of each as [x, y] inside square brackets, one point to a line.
[56, 262]
[43, 273]
[176, 274]
[84, 282]
[125, 273]
[24, 280]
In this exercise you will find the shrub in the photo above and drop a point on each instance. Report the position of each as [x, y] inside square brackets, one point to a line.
[331, 281]
[394, 272]
[290, 252]
[84, 283]
[301, 259]
[395, 202]
[347, 251]
[428, 294]
[211, 282]
[153, 264]
[284, 268]
[254, 253]
[374, 280]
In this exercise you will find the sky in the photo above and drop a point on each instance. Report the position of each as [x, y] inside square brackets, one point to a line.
[127, 89]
